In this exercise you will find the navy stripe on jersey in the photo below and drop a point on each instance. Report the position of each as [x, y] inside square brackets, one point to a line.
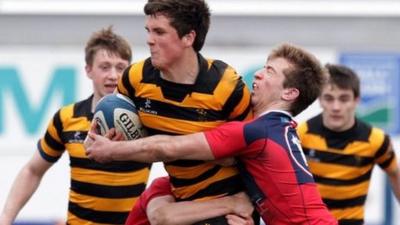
[344, 203]
[336, 182]
[340, 159]
[106, 191]
[229, 186]
[179, 182]
[46, 157]
[120, 166]
[97, 216]
[351, 222]
[179, 112]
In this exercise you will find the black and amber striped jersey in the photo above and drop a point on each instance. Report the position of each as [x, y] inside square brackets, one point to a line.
[99, 193]
[218, 95]
[342, 163]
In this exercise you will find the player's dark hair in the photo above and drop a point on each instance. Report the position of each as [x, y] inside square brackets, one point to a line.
[344, 78]
[185, 16]
[111, 42]
[305, 74]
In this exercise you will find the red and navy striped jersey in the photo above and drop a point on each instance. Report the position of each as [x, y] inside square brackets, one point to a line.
[270, 150]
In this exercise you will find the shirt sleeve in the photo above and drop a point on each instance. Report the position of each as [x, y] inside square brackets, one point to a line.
[226, 140]
[51, 146]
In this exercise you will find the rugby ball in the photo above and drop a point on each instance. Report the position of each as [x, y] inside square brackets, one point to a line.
[119, 112]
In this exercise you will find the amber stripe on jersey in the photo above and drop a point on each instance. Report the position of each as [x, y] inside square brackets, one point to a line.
[342, 164]
[218, 95]
[113, 186]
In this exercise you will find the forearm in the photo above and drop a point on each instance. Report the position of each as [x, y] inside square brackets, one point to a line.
[150, 149]
[22, 189]
[184, 213]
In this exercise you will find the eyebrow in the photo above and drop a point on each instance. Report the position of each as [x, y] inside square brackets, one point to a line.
[267, 67]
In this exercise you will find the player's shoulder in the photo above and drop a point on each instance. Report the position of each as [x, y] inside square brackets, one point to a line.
[80, 108]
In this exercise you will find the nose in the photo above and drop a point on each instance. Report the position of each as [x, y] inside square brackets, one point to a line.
[336, 105]
[150, 39]
[114, 74]
[258, 74]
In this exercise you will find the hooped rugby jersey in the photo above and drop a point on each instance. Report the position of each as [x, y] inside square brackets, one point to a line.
[99, 193]
[218, 95]
[342, 163]
[269, 149]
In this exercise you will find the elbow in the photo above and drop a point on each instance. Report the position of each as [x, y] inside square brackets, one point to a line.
[159, 217]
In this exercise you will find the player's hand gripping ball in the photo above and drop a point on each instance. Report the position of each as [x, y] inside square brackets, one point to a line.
[116, 110]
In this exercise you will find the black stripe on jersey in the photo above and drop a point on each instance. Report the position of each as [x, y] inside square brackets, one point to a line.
[351, 222]
[243, 115]
[46, 157]
[183, 113]
[229, 186]
[106, 191]
[151, 131]
[97, 216]
[126, 83]
[345, 203]
[339, 140]
[208, 79]
[336, 182]
[340, 159]
[387, 162]
[58, 124]
[75, 136]
[233, 99]
[120, 166]
[53, 143]
[180, 182]
[150, 74]
[84, 109]
[384, 147]
[184, 163]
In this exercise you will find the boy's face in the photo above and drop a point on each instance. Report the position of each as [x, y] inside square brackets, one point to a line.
[268, 84]
[339, 106]
[164, 42]
[105, 71]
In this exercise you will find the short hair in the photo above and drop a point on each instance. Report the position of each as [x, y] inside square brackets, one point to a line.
[344, 78]
[185, 16]
[305, 74]
[111, 42]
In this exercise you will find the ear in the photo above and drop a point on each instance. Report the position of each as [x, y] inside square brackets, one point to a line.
[88, 69]
[290, 94]
[188, 39]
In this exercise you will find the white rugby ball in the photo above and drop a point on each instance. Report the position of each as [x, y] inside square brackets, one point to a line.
[117, 110]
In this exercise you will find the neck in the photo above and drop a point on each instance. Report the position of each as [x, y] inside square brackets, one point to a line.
[258, 111]
[183, 70]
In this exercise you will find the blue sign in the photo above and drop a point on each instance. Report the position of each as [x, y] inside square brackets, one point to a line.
[380, 78]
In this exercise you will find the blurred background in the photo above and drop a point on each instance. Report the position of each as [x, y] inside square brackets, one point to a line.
[42, 67]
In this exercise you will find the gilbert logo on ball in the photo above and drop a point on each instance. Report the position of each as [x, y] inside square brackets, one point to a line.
[116, 110]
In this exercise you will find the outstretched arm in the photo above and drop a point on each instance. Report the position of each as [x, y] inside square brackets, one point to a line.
[25, 184]
[150, 149]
